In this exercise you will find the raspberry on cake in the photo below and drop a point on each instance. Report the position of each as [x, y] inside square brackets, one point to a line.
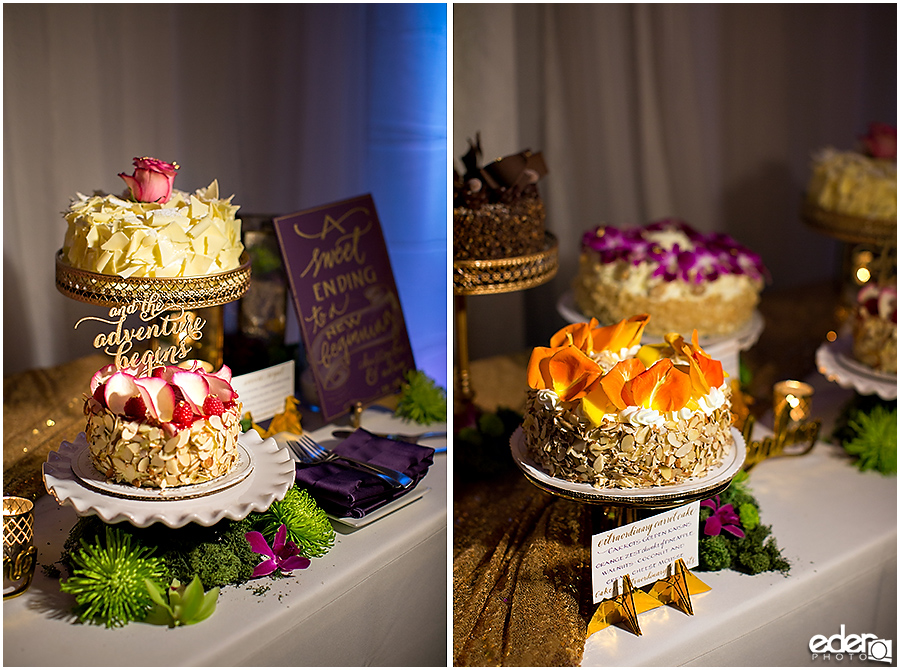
[172, 427]
[875, 327]
[497, 210]
[683, 278]
[605, 410]
[172, 234]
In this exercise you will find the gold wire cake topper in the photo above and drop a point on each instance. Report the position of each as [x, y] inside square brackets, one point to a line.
[159, 319]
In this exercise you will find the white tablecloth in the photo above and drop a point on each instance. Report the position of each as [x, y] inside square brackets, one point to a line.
[379, 597]
[837, 527]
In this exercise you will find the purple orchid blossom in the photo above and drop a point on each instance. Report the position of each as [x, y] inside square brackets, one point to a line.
[723, 518]
[282, 555]
[714, 254]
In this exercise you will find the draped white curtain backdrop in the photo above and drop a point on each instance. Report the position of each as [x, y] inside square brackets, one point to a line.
[288, 106]
[707, 112]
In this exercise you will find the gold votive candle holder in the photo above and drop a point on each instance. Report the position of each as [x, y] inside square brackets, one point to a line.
[19, 553]
[793, 404]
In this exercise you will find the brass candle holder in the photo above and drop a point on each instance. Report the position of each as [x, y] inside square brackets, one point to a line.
[19, 553]
[792, 408]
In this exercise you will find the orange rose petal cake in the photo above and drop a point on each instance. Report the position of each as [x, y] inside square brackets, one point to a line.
[604, 409]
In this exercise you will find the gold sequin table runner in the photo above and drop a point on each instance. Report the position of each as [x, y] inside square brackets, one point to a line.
[41, 409]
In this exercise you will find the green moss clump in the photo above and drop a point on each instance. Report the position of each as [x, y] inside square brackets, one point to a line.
[714, 553]
[219, 554]
[752, 554]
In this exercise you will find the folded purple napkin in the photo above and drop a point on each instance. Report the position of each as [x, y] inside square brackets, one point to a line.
[343, 491]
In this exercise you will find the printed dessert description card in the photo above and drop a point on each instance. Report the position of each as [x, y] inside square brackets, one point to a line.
[644, 550]
[347, 303]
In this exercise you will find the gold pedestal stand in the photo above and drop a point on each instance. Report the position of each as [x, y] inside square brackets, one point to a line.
[202, 296]
[870, 249]
[483, 277]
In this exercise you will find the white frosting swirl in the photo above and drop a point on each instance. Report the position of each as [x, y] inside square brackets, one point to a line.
[548, 398]
[641, 416]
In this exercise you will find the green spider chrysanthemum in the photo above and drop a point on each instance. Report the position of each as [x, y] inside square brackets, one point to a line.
[875, 440]
[307, 525]
[421, 400]
[108, 579]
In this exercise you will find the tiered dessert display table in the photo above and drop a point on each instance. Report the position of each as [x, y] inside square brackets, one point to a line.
[836, 525]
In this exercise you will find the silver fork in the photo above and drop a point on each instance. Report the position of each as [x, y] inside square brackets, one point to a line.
[309, 451]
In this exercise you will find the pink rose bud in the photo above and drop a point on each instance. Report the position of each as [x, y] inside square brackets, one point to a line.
[881, 141]
[152, 180]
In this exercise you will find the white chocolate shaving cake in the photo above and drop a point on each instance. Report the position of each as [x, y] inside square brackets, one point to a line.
[858, 183]
[602, 409]
[175, 235]
[178, 426]
[683, 278]
[875, 327]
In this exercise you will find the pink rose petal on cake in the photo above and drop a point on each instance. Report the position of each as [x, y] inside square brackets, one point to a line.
[223, 372]
[166, 372]
[119, 389]
[194, 388]
[102, 375]
[159, 397]
[219, 388]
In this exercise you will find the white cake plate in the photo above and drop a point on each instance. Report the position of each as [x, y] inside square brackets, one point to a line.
[716, 481]
[724, 348]
[835, 361]
[263, 475]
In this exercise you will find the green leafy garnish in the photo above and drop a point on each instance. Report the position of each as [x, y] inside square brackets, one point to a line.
[109, 578]
[307, 525]
[421, 400]
[874, 440]
[180, 605]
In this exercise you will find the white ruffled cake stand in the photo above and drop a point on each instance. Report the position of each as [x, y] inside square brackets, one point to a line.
[836, 363]
[263, 475]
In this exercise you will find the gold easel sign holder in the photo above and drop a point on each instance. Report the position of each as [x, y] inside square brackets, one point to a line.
[675, 590]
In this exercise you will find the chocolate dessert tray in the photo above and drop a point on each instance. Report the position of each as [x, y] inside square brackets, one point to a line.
[835, 361]
[264, 474]
[660, 497]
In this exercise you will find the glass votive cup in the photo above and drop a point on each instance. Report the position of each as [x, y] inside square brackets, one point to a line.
[19, 553]
[792, 404]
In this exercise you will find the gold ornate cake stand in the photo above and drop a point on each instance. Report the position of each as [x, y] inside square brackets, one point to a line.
[869, 253]
[500, 275]
[188, 292]
[208, 293]
[853, 229]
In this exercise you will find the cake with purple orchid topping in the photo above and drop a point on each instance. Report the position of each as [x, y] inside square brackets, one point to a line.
[684, 278]
[875, 327]
[174, 427]
[497, 210]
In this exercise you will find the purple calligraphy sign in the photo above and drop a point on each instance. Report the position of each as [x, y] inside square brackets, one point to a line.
[347, 302]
